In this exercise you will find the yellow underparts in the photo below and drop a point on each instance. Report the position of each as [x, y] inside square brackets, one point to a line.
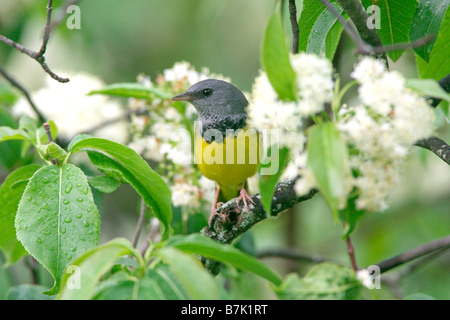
[231, 162]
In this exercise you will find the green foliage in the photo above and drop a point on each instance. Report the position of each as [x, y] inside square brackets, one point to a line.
[327, 159]
[427, 21]
[207, 247]
[325, 281]
[131, 90]
[135, 171]
[396, 17]
[10, 194]
[57, 218]
[325, 34]
[267, 182]
[90, 266]
[439, 59]
[275, 59]
[49, 212]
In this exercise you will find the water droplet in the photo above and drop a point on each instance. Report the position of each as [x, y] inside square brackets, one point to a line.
[78, 184]
[73, 249]
[29, 198]
[79, 215]
[39, 240]
[32, 185]
[86, 190]
[68, 188]
[66, 201]
[67, 219]
[63, 230]
[86, 224]
[80, 200]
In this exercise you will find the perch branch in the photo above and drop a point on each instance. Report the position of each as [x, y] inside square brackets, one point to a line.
[225, 231]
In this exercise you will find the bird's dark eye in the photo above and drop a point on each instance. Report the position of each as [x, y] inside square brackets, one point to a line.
[207, 92]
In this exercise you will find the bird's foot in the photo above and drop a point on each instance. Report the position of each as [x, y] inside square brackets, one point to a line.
[214, 213]
[244, 197]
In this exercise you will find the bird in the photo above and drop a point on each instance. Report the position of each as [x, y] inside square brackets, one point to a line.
[226, 149]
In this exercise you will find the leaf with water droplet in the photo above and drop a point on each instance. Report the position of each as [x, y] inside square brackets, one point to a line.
[427, 21]
[126, 165]
[56, 205]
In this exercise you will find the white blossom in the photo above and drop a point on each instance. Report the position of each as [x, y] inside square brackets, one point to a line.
[381, 128]
[73, 111]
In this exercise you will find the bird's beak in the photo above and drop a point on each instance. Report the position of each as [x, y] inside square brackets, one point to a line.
[183, 97]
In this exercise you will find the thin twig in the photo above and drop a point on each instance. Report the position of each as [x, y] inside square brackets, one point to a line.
[294, 25]
[139, 223]
[351, 253]
[38, 55]
[290, 254]
[361, 45]
[413, 254]
[402, 46]
[24, 91]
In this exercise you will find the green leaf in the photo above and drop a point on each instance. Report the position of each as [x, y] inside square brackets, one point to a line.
[7, 96]
[267, 182]
[332, 40]
[197, 282]
[136, 171]
[27, 292]
[324, 281]
[439, 61]
[7, 133]
[57, 218]
[328, 161]
[80, 278]
[132, 90]
[350, 215]
[428, 87]
[318, 39]
[427, 21]
[311, 11]
[167, 283]
[275, 59]
[209, 248]
[10, 153]
[10, 194]
[105, 184]
[418, 296]
[56, 152]
[395, 19]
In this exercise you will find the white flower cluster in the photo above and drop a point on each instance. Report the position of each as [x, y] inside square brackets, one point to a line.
[268, 113]
[73, 111]
[161, 135]
[380, 130]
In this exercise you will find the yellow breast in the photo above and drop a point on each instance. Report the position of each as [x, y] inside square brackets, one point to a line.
[232, 161]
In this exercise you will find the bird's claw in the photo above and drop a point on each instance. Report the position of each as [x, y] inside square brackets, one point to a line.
[244, 196]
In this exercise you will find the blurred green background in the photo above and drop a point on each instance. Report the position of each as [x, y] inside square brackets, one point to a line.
[120, 39]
